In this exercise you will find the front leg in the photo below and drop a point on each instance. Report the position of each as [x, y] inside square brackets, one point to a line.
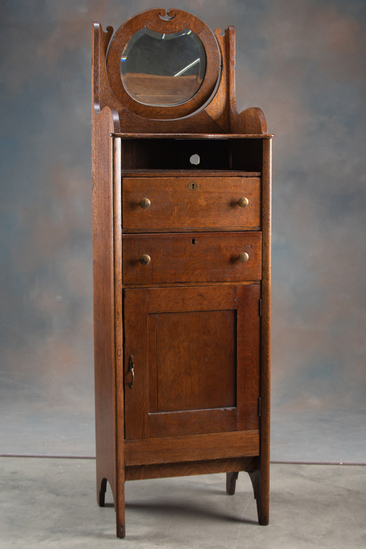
[261, 494]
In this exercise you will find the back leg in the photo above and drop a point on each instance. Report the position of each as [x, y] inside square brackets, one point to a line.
[231, 479]
[101, 492]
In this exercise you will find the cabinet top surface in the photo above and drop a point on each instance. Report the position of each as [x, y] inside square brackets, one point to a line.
[188, 173]
[181, 136]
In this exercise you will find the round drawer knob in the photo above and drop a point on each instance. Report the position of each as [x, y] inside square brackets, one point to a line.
[145, 259]
[145, 203]
[243, 257]
[243, 202]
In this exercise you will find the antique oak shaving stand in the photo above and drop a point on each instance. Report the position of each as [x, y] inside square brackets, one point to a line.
[181, 259]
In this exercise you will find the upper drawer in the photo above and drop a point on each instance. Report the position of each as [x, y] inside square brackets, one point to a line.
[191, 203]
[191, 257]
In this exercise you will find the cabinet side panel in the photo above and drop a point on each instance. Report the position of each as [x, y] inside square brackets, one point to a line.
[103, 297]
[264, 459]
[119, 504]
[266, 297]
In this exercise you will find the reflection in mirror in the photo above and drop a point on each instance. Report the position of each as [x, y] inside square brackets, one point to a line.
[195, 159]
[163, 69]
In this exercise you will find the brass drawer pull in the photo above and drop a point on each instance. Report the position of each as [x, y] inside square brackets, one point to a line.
[131, 368]
[243, 202]
[243, 257]
[145, 259]
[145, 203]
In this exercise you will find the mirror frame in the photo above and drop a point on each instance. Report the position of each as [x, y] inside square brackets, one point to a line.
[162, 21]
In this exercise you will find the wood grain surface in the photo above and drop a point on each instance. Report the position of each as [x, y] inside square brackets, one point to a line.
[191, 257]
[193, 322]
[187, 468]
[191, 202]
[192, 448]
[103, 299]
[195, 371]
[180, 21]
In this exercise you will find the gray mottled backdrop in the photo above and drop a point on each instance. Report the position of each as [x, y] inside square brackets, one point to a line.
[303, 63]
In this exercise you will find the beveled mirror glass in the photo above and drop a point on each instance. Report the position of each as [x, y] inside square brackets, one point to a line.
[163, 69]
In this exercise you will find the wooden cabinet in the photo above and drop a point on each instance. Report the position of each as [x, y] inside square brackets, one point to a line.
[181, 239]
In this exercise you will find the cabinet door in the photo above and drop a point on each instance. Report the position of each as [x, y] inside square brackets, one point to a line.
[195, 357]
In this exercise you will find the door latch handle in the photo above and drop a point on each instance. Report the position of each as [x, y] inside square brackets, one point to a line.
[131, 368]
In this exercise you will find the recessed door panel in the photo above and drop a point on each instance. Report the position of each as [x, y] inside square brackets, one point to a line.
[196, 360]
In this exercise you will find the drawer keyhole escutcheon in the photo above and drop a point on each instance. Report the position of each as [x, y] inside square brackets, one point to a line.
[131, 368]
[145, 259]
[193, 186]
[243, 257]
[243, 202]
[145, 203]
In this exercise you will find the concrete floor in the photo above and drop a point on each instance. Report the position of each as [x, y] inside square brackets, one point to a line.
[51, 503]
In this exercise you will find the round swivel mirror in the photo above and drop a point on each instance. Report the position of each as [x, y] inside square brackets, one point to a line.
[163, 69]
[164, 65]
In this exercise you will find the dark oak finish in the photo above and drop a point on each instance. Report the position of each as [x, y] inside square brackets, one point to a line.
[196, 360]
[231, 479]
[181, 266]
[218, 117]
[151, 19]
[191, 202]
[192, 447]
[103, 278]
[187, 468]
[190, 135]
[191, 257]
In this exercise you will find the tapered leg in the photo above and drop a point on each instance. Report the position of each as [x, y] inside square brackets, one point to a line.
[231, 479]
[120, 506]
[261, 493]
[121, 520]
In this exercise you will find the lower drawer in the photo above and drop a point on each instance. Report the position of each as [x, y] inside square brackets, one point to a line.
[191, 257]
